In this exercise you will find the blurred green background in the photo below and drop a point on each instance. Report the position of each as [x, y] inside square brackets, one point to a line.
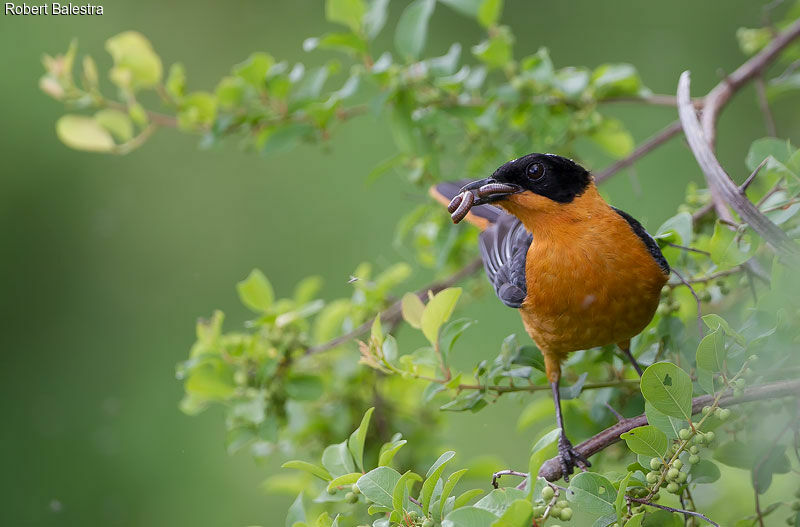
[107, 261]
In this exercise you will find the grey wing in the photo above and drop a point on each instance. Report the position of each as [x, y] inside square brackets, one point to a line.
[504, 248]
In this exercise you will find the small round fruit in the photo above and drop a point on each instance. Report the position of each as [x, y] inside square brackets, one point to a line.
[694, 449]
[694, 459]
[684, 433]
[710, 436]
[562, 504]
[548, 493]
[427, 523]
[555, 512]
[350, 497]
[652, 477]
[796, 505]
[355, 489]
[682, 477]
[673, 488]
[706, 410]
[538, 511]
[673, 473]
[723, 414]
[677, 464]
[655, 463]
[566, 514]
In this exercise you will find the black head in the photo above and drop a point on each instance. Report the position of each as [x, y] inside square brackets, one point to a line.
[554, 177]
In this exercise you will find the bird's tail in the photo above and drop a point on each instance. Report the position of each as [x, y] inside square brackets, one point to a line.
[483, 216]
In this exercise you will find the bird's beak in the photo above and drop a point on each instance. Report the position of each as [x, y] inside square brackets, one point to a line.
[489, 190]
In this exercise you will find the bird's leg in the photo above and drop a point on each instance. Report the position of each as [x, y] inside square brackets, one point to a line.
[569, 457]
[626, 348]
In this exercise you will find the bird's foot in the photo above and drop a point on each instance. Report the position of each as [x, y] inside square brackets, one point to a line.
[570, 458]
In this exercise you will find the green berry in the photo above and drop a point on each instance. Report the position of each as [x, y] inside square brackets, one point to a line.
[332, 490]
[562, 504]
[699, 439]
[548, 493]
[682, 476]
[555, 512]
[538, 511]
[673, 473]
[427, 523]
[350, 497]
[673, 488]
[684, 433]
[677, 464]
[796, 505]
[656, 496]
[706, 410]
[724, 414]
[566, 514]
[355, 489]
[694, 449]
[710, 436]
[655, 463]
[414, 515]
[694, 459]
[652, 477]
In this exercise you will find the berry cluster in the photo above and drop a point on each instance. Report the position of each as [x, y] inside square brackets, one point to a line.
[553, 506]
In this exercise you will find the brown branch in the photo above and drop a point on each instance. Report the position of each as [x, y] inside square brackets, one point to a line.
[672, 509]
[642, 150]
[394, 311]
[551, 469]
[720, 183]
[655, 99]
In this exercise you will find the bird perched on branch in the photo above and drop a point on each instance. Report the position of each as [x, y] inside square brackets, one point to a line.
[582, 273]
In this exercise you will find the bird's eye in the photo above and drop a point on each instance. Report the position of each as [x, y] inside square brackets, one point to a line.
[535, 171]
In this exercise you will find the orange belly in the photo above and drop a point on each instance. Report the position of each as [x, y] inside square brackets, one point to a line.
[589, 285]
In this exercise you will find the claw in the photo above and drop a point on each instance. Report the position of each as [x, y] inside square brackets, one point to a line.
[570, 458]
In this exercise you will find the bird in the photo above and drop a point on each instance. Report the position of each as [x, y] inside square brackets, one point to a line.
[581, 273]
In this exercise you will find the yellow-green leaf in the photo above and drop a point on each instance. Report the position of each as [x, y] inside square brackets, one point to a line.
[136, 64]
[438, 311]
[116, 122]
[412, 309]
[84, 133]
[255, 291]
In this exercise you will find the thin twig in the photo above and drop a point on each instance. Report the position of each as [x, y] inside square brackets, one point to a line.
[697, 300]
[690, 249]
[751, 177]
[649, 145]
[709, 277]
[672, 509]
[656, 99]
[763, 103]
[509, 472]
[394, 311]
[551, 469]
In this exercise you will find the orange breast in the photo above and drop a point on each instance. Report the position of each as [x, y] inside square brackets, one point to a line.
[591, 280]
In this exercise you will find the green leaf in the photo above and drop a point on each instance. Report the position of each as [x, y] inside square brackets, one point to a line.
[356, 441]
[375, 18]
[337, 459]
[729, 250]
[412, 28]
[346, 12]
[541, 451]
[469, 517]
[612, 136]
[254, 69]
[388, 452]
[211, 381]
[635, 520]
[678, 229]
[438, 311]
[593, 494]
[711, 352]
[256, 292]
[296, 512]
[412, 309]
[343, 481]
[780, 150]
[620, 504]
[705, 471]
[449, 485]
[465, 7]
[499, 500]
[669, 425]
[83, 133]
[647, 440]
[175, 85]
[116, 122]
[310, 468]
[489, 12]
[465, 401]
[715, 322]
[669, 389]
[136, 64]
[616, 80]
[378, 484]
[304, 387]
[497, 50]
[518, 514]
[198, 111]
[400, 491]
[432, 477]
[450, 334]
[466, 496]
